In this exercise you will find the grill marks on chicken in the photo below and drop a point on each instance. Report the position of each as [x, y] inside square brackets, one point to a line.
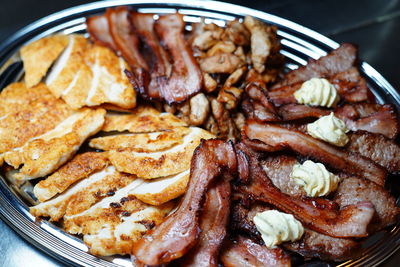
[179, 232]
[280, 137]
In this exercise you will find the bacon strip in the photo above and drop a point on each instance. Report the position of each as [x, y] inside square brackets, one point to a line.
[126, 42]
[312, 244]
[143, 25]
[245, 252]
[186, 79]
[259, 105]
[99, 31]
[350, 86]
[180, 231]
[352, 163]
[295, 112]
[383, 151]
[350, 221]
[339, 60]
[213, 222]
[374, 118]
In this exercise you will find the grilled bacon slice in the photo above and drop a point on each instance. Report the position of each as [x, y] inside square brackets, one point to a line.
[186, 78]
[213, 222]
[350, 86]
[378, 148]
[353, 189]
[245, 252]
[341, 160]
[374, 118]
[160, 66]
[99, 31]
[312, 244]
[339, 60]
[124, 39]
[350, 221]
[180, 231]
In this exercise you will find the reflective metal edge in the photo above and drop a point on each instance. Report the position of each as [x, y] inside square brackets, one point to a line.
[299, 44]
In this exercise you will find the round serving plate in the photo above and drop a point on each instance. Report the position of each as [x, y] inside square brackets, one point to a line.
[298, 45]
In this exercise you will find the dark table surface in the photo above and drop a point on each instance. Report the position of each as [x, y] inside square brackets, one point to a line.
[372, 24]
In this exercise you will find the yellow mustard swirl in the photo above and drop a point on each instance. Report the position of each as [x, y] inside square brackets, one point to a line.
[277, 227]
[330, 129]
[316, 180]
[317, 92]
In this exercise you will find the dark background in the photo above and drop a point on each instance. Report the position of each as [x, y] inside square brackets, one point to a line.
[372, 24]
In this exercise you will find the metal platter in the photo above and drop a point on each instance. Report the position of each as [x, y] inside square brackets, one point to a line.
[298, 45]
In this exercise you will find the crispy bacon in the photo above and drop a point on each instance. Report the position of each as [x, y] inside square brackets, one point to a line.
[99, 31]
[245, 252]
[350, 221]
[213, 222]
[339, 60]
[180, 231]
[125, 41]
[143, 26]
[341, 160]
[186, 79]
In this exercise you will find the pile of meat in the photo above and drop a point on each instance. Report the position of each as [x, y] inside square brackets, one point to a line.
[228, 82]
[200, 75]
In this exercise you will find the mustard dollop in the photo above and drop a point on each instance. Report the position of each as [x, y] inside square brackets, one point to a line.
[330, 129]
[315, 179]
[277, 227]
[317, 92]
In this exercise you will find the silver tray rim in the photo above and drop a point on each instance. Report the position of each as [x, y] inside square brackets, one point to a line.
[71, 250]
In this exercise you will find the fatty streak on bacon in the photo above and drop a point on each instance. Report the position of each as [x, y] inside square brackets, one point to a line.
[280, 137]
[143, 26]
[123, 37]
[213, 223]
[245, 252]
[186, 78]
[350, 221]
[180, 231]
